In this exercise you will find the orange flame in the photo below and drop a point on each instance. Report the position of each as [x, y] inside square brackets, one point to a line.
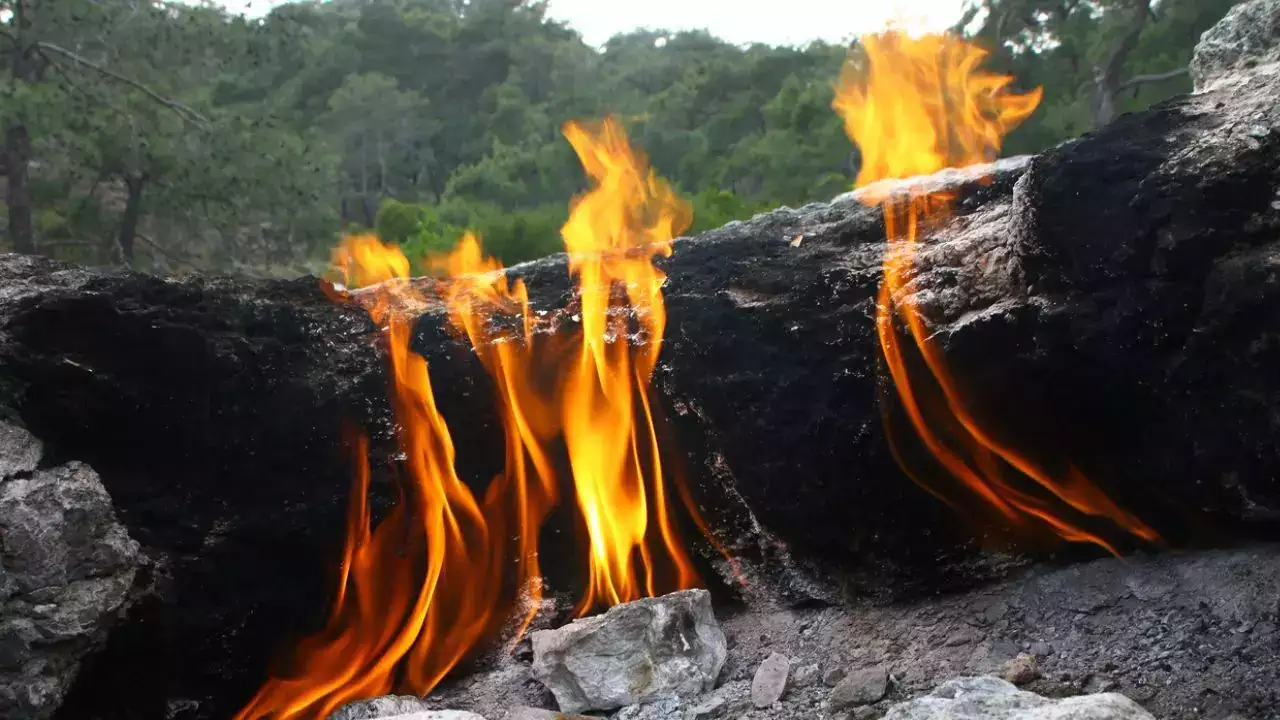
[612, 234]
[430, 583]
[914, 106]
[430, 605]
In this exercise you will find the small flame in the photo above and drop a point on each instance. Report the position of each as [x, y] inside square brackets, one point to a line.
[914, 106]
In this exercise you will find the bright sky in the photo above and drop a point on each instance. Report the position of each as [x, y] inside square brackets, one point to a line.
[769, 21]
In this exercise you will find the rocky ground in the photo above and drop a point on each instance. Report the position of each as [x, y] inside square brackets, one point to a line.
[1187, 636]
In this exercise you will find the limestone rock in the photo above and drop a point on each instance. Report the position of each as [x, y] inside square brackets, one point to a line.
[636, 652]
[397, 707]
[770, 680]
[1249, 34]
[66, 571]
[989, 698]
[860, 688]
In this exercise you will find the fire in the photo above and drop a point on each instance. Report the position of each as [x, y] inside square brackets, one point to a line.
[612, 234]
[434, 579]
[400, 618]
[914, 106]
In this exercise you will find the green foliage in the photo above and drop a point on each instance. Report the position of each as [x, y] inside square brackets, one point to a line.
[255, 142]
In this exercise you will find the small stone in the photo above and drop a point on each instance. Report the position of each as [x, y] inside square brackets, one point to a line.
[832, 677]
[770, 680]
[805, 675]
[961, 637]
[1041, 649]
[860, 688]
[1020, 670]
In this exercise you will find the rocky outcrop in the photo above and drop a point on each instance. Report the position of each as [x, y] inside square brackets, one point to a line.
[637, 652]
[67, 569]
[1247, 38]
[988, 698]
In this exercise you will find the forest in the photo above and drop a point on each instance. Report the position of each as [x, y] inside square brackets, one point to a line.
[175, 137]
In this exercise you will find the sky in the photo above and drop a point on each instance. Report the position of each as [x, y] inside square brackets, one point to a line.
[790, 22]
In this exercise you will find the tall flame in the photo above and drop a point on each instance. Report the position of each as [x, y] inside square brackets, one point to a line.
[434, 579]
[401, 618]
[914, 106]
[612, 234]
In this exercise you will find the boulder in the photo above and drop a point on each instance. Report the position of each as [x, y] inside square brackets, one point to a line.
[67, 570]
[989, 698]
[1247, 36]
[636, 652]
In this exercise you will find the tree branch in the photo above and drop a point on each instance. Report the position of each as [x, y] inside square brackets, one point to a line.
[175, 257]
[1138, 80]
[180, 109]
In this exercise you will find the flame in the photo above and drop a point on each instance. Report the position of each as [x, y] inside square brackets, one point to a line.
[401, 618]
[914, 106]
[433, 580]
[612, 235]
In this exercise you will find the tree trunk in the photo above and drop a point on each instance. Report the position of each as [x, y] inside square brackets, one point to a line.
[1107, 76]
[17, 148]
[132, 210]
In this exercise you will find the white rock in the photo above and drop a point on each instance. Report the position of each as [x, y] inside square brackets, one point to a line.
[770, 680]
[635, 653]
[989, 698]
[397, 707]
[1248, 34]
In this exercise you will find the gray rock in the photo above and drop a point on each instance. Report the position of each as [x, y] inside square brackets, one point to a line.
[634, 653]
[1249, 34]
[806, 675]
[665, 709]
[19, 451]
[989, 698]
[860, 688]
[397, 707]
[1021, 669]
[770, 680]
[67, 568]
[832, 677]
[528, 713]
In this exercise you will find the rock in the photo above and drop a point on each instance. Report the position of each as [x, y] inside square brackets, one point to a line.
[664, 709]
[1021, 669]
[1248, 35]
[528, 713]
[380, 707]
[1118, 281]
[806, 675]
[861, 687]
[19, 451]
[988, 698]
[1041, 649]
[636, 652]
[67, 570]
[832, 677]
[770, 680]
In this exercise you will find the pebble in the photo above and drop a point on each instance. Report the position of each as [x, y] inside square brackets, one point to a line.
[1041, 649]
[770, 680]
[860, 688]
[832, 677]
[1020, 670]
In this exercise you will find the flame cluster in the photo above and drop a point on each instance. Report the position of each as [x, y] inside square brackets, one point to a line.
[914, 106]
[435, 579]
